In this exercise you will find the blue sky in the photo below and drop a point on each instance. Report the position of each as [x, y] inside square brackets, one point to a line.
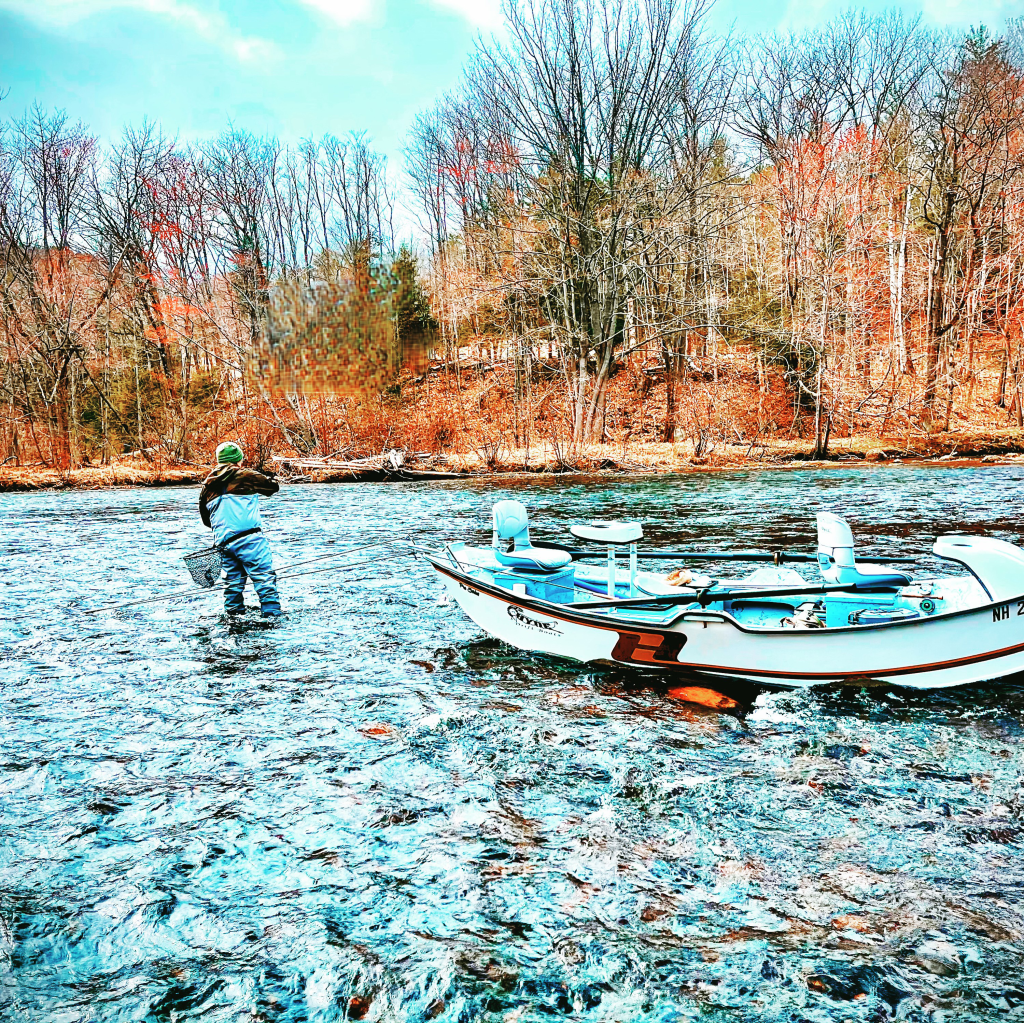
[293, 67]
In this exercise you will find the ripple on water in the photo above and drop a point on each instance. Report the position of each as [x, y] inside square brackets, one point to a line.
[371, 811]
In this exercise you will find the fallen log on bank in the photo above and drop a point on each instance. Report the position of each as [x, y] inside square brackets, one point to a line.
[390, 466]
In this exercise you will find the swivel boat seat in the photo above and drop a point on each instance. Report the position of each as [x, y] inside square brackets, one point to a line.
[511, 522]
[837, 563]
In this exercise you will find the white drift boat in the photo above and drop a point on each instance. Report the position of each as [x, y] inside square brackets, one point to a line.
[856, 621]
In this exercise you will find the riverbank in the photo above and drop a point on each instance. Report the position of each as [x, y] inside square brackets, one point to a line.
[637, 459]
[100, 477]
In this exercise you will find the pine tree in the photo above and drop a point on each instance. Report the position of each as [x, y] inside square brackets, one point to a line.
[413, 319]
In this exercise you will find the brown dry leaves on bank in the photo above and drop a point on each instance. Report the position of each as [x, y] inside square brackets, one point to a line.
[123, 474]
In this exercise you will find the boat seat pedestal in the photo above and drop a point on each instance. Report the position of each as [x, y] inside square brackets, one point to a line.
[613, 533]
[557, 587]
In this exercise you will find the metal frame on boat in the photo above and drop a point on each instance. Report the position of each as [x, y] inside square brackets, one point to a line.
[930, 633]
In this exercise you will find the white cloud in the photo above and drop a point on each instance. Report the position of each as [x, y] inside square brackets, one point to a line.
[969, 12]
[209, 26]
[344, 12]
[484, 14]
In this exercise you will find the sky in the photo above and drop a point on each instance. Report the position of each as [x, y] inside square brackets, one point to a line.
[297, 68]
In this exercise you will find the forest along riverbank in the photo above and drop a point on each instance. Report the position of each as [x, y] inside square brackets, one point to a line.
[1002, 447]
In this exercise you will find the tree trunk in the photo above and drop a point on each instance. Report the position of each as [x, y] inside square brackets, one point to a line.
[668, 431]
[936, 307]
[579, 412]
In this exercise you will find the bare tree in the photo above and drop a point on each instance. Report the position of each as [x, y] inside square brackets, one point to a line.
[45, 168]
[971, 161]
[560, 144]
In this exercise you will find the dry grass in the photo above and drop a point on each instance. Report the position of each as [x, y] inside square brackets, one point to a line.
[629, 456]
[118, 474]
[473, 419]
[648, 456]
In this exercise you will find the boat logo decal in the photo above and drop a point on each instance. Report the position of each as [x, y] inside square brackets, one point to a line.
[532, 623]
[649, 647]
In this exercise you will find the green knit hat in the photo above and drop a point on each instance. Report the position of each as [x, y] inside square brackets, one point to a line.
[229, 451]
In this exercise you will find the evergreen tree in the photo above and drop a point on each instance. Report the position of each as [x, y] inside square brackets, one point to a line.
[412, 316]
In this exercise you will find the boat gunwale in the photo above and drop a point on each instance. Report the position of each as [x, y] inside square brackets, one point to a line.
[597, 618]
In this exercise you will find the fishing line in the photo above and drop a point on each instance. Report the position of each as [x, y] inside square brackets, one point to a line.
[220, 586]
[284, 568]
[348, 550]
[329, 568]
[176, 544]
[285, 573]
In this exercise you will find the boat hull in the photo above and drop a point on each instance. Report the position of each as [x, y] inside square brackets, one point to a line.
[954, 649]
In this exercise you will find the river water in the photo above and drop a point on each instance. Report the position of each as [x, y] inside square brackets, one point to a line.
[371, 811]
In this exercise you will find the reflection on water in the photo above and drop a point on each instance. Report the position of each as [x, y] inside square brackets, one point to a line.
[373, 812]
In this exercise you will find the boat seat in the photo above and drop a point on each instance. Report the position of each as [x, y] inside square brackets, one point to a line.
[512, 522]
[996, 564]
[839, 566]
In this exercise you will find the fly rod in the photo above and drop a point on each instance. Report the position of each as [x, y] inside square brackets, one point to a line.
[285, 573]
[775, 557]
[710, 596]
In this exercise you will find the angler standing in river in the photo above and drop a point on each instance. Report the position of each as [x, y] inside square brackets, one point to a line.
[229, 504]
